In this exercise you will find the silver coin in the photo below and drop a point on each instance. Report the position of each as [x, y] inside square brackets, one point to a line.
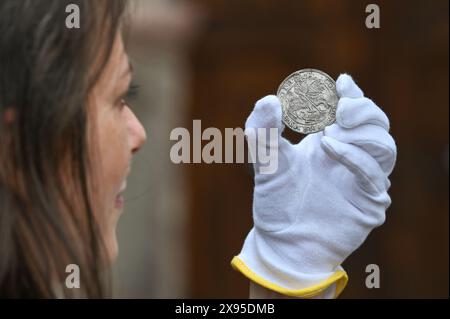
[308, 100]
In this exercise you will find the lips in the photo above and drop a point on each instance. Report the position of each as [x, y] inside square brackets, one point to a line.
[119, 201]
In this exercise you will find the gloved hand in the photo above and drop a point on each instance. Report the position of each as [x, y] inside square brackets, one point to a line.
[328, 193]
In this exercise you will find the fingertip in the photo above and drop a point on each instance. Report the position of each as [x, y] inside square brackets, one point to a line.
[342, 82]
[352, 112]
[346, 87]
[267, 113]
[269, 101]
[269, 106]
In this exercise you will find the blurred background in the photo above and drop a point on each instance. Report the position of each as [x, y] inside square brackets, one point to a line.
[212, 60]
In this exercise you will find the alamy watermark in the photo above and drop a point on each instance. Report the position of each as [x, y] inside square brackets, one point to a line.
[373, 18]
[73, 17]
[262, 146]
[73, 279]
[373, 277]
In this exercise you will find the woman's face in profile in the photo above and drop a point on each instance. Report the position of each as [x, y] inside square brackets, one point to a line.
[115, 135]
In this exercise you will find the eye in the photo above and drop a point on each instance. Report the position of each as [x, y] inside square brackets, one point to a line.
[133, 92]
[130, 95]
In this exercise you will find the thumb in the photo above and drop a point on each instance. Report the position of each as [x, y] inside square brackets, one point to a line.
[266, 114]
[263, 130]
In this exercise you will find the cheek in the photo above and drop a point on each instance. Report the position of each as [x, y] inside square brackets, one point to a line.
[114, 152]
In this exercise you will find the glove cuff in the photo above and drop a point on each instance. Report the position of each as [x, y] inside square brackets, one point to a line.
[268, 271]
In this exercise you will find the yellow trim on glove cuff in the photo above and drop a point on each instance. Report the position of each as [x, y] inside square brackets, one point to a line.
[339, 277]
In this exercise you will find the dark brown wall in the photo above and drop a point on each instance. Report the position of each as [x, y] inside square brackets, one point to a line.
[247, 48]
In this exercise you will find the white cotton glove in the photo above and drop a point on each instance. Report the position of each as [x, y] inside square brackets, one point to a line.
[328, 193]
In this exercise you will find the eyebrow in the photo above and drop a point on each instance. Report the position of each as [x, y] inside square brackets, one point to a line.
[129, 70]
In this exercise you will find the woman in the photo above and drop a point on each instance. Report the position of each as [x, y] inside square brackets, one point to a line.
[67, 137]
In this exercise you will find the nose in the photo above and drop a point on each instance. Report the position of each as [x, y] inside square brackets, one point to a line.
[137, 134]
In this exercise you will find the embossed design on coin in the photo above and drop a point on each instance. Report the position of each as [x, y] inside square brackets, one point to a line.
[308, 100]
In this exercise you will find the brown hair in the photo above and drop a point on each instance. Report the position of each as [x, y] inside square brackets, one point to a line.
[46, 73]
